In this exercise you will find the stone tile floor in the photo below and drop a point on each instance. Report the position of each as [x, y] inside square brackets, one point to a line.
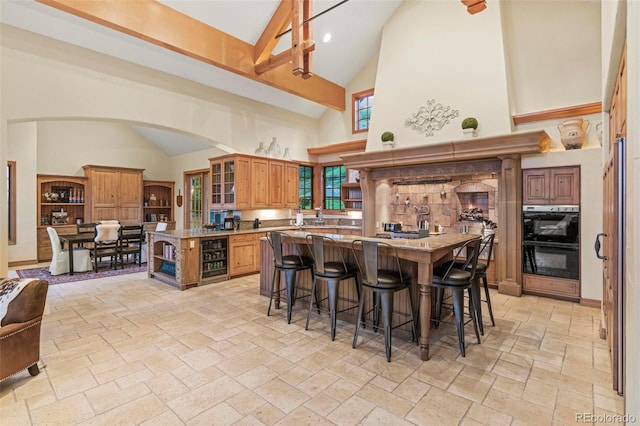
[131, 350]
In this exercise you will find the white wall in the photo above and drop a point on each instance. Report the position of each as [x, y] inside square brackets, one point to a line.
[22, 148]
[424, 56]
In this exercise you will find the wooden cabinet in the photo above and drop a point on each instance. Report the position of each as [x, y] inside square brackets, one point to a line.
[555, 185]
[560, 288]
[248, 182]
[230, 178]
[351, 195]
[291, 185]
[70, 193]
[244, 253]
[174, 260]
[158, 203]
[114, 193]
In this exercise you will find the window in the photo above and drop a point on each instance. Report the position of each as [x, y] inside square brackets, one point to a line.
[362, 103]
[333, 177]
[11, 200]
[305, 189]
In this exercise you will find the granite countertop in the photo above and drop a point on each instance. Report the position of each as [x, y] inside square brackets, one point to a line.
[204, 233]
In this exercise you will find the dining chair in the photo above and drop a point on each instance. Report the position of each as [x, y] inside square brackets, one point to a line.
[106, 243]
[60, 258]
[130, 243]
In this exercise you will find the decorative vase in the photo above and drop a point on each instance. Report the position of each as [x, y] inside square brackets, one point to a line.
[286, 155]
[260, 150]
[573, 133]
[274, 149]
[469, 133]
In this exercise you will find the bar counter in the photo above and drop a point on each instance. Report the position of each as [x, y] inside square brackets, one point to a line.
[417, 257]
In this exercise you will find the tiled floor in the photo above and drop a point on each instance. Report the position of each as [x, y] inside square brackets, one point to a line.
[130, 350]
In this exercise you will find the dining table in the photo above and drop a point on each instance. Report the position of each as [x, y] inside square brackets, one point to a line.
[75, 240]
[422, 252]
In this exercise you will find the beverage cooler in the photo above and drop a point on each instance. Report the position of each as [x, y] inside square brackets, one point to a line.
[214, 259]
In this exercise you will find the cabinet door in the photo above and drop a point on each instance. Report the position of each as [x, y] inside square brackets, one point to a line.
[260, 183]
[244, 252]
[215, 177]
[291, 185]
[535, 186]
[243, 183]
[104, 188]
[564, 185]
[130, 196]
[276, 184]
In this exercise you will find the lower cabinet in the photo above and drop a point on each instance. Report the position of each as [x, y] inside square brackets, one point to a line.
[174, 260]
[560, 288]
[244, 253]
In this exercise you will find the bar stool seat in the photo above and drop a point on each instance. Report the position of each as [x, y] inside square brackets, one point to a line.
[333, 273]
[290, 264]
[383, 283]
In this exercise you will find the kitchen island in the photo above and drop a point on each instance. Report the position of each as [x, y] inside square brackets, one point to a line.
[188, 258]
[417, 259]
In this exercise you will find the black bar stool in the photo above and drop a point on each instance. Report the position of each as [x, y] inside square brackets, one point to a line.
[290, 264]
[457, 280]
[486, 246]
[383, 283]
[332, 272]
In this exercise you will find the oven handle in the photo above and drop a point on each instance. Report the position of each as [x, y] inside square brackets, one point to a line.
[597, 246]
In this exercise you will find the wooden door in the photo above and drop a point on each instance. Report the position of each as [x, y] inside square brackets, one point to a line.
[614, 180]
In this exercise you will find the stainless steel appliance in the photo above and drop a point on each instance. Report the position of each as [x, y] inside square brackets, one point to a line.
[392, 226]
[551, 241]
[229, 224]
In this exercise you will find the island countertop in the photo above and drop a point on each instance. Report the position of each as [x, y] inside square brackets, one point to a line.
[203, 233]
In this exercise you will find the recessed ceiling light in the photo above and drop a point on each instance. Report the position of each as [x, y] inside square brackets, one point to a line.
[326, 37]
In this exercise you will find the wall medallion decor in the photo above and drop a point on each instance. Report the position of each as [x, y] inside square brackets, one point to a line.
[431, 118]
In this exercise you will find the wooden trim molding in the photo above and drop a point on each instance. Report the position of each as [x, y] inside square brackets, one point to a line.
[11, 169]
[339, 148]
[462, 150]
[552, 114]
[592, 303]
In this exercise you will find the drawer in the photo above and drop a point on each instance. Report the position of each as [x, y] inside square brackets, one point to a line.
[551, 286]
[242, 238]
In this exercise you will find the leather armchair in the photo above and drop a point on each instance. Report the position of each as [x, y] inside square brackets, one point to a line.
[20, 331]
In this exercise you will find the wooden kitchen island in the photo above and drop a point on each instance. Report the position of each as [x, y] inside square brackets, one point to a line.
[417, 259]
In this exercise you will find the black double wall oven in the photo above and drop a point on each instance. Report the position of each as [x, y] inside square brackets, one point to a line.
[551, 241]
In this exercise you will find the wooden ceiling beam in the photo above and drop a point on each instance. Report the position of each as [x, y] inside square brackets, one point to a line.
[165, 27]
[279, 22]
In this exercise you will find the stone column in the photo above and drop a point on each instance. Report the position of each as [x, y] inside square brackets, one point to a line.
[509, 264]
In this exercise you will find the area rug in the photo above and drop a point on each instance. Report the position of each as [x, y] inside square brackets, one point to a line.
[103, 271]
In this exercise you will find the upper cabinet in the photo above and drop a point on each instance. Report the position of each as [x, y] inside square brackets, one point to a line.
[114, 193]
[247, 182]
[230, 182]
[554, 185]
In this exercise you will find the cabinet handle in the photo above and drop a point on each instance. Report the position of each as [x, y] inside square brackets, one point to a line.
[597, 246]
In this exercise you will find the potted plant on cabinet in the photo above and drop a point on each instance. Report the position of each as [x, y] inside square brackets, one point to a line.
[469, 126]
